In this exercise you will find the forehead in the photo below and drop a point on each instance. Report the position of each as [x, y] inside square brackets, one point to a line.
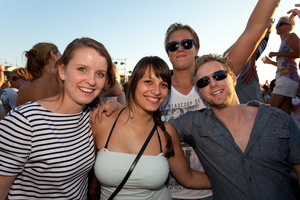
[180, 35]
[209, 68]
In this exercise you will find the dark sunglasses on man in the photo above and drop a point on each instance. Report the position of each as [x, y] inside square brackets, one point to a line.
[218, 76]
[186, 44]
[281, 24]
[15, 78]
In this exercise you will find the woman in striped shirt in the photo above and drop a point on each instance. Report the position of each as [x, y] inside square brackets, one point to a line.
[46, 147]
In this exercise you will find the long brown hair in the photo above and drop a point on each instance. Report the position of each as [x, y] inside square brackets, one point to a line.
[160, 69]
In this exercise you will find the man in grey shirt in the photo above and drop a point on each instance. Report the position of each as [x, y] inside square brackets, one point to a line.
[247, 151]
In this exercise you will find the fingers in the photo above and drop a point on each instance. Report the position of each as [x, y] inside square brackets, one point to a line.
[93, 114]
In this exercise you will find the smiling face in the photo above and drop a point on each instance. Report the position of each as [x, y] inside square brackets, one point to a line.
[182, 58]
[218, 94]
[83, 77]
[150, 91]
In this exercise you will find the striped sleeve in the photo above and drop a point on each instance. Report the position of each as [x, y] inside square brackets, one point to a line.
[15, 143]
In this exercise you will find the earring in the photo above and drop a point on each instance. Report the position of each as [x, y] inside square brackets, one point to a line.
[131, 114]
[163, 118]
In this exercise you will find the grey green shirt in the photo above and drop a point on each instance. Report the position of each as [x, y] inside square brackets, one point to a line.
[261, 172]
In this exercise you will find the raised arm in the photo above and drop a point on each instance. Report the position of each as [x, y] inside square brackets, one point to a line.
[253, 33]
[180, 168]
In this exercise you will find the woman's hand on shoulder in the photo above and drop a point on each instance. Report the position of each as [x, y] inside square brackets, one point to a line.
[107, 108]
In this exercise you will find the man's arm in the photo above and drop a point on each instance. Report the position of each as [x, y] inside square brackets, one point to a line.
[297, 169]
[254, 32]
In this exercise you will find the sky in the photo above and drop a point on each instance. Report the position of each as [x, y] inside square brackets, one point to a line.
[129, 29]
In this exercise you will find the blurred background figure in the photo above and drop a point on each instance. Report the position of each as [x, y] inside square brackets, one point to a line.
[40, 65]
[287, 78]
[17, 77]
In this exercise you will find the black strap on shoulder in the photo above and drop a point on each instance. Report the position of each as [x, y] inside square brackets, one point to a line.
[112, 128]
[133, 164]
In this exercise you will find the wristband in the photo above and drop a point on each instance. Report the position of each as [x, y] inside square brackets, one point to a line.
[1, 70]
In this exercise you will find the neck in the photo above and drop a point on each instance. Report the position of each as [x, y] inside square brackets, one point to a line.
[181, 81]
[138, 115]
[229, 108]
[283, 35]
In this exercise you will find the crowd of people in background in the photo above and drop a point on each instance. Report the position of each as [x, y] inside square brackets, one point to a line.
[207, 130]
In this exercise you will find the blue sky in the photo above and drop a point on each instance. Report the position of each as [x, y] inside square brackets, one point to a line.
[129, 29]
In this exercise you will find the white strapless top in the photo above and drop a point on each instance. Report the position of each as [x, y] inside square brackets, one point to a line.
[146, 181]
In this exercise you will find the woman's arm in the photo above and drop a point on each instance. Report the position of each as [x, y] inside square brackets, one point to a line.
[5, 184]
[180, 168]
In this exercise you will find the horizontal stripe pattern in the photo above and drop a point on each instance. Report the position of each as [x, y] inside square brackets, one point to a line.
[49, 153]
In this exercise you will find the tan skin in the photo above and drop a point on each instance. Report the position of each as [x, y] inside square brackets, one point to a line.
[130, 134]
[225, 104]
[239, 119]
[183, 61]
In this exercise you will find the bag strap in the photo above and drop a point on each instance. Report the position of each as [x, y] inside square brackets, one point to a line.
[133, 164]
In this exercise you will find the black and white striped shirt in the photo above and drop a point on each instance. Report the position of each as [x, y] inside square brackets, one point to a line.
[49, 153]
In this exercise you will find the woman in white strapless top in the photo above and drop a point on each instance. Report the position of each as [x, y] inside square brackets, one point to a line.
[119, 138]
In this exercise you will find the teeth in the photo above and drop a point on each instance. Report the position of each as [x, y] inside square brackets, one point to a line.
[86, 90]
[218, 92]
[153, 99]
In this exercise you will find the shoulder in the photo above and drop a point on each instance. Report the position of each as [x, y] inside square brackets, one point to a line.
[106, 121]
[292, 37]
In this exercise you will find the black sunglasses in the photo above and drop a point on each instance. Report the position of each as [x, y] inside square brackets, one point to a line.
[14, 78]
[186, 44]
[218, 76]
[281, 24]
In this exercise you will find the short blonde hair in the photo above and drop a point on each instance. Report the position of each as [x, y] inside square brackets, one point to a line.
[209, 58]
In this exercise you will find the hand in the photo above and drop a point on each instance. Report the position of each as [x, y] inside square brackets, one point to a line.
[266, 60]
[249, 74]
[294, 12]
[94, 189]
[271, 54]
[108, 108]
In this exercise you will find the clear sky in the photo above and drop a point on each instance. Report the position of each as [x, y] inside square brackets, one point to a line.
[129, 29]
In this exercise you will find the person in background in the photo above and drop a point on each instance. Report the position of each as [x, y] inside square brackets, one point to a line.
[40, 65]
[1, 74]
[17, 77]
[247, 151]
[119, 138]
[182, 46]
[2, 81]
[287, 78]
[52, 141]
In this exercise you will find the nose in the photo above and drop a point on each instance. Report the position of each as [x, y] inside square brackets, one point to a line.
[212, 82]
[156, 90]
[91, 79]
[180, 47]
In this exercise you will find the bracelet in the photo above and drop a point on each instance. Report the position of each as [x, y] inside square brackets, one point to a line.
[1, 70]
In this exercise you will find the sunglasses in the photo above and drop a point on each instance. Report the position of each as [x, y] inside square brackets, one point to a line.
[186, 44]
[281, 24]
[14, 78]
[218, 76]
